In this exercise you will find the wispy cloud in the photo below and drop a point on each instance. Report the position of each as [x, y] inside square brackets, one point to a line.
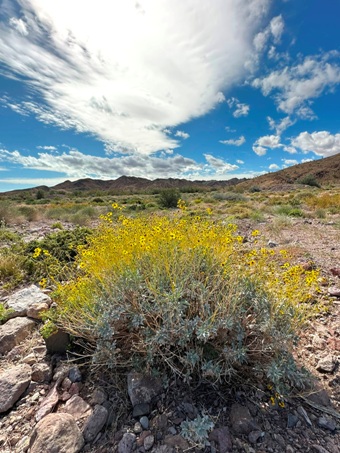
[182, 134]
[125, 71]
[236, 142]
[240, 109]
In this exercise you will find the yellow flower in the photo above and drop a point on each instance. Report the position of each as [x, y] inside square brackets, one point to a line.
[37, 252]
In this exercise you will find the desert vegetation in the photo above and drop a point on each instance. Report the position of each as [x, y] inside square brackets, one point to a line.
[167, 282]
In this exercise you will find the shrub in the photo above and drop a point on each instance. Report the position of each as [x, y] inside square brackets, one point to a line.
[168, 198]
[185, 295]
[308, 180]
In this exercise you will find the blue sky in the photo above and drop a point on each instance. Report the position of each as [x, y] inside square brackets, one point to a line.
[165, 88]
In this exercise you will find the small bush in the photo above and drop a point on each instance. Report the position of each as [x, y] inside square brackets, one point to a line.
[229, 196]
[168, 198]
[308, 180]
[186, 296]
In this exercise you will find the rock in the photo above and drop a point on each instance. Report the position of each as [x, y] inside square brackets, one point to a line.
[327, 423]
[241, 420]
[21, 301]
[304, 415]
[319, 449]
[13, 332]
[74, 374]
[57, 342]
[148, 442]
[144, 421]
[334, 291]
[48, 403]
[163, 449]
[222, 438]
[30, 359]
[320, 397]
[142, 388]
[127, 443]
[176, 441]
[56, 433]
[292, 420]
[77, 407]
[271, 244]
[141, 409]
[254, 436]
[98, 396]
[326, 364]
[137, 428]
[335, 271]
[41, 372]
[95, 423]
[36, 310]
[13, 383]
[160, 422]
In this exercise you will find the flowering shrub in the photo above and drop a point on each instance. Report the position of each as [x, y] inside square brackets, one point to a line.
[186, 295]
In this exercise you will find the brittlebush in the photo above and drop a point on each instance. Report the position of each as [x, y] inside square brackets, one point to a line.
[186, 295]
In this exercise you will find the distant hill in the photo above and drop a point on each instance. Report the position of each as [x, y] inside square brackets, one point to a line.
[325, 171]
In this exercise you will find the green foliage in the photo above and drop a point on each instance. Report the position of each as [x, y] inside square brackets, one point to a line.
[308, 180]
[289, 210]
[229, 196]
[4, 313]
[168, 198]
[196, 431]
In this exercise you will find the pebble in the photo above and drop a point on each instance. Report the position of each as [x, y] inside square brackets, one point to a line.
[292, 420]
[144, 421]
[327, 423]
[148, 442]
[137, 428]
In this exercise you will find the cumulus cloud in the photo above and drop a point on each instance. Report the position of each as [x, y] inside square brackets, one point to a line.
[321, 143]
[280, 125]
[75, 165]
[182, 134]
[295, 87]
[220, 166]
[289, 162]
[236, 142]
[239, 161]
[272, 32]
[266, 142]
[273, 167]
[125, 71]
[240, 109]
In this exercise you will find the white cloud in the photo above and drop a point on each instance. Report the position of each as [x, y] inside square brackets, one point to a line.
[19, 25]
[280, 125]
[182, 134]
[321, 143]
[290, 149]
[125, 73]
[240, 109]
[273, 167]
[269, 141]
[47, 148]
[273, 31]
[239, 161]
[219, 165]
[294, 87]
[75, 165]
[259, 150]
[289, 162]
[235, 142]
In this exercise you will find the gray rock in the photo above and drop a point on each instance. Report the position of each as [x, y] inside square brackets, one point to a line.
[320, 397]
[222, 438]
[327, 423]
[148, 442]
[144, 421]
[271, 244]
[24, 299]
[176, 441]
[74, 374]
[163, 449]
[127, 443]
[241, 420]
[141, 409]
[304, 415]
[326, 364]
[14, 332]
[95, 423]
[56, 433]
[137, 428]
[142, 388]
[292, 420]
[319, 449]
[254, 436]
[13, 383]
[334, 291]
[36, 310]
